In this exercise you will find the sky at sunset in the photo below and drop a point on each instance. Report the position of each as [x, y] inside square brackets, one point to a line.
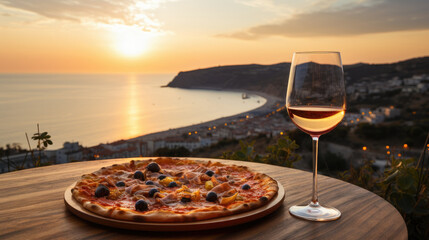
[168, 36]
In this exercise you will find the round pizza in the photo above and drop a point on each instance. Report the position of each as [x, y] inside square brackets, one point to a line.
[173, 190]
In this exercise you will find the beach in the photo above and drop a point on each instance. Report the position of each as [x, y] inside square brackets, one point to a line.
[269, 106]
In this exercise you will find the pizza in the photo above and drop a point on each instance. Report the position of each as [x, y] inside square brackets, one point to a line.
[166, 190]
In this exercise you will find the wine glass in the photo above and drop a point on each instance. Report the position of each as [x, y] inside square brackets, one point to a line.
[316, 103]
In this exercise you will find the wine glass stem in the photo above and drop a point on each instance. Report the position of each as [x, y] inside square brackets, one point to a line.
[314, 198]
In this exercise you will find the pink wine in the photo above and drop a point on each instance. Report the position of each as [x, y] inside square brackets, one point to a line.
[316, 120]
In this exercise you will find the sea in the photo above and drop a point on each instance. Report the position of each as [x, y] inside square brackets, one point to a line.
[103, 108]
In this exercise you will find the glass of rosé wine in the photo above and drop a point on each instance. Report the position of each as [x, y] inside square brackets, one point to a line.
[316, 104]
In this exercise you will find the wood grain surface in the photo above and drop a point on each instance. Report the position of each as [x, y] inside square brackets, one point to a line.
[32, 207]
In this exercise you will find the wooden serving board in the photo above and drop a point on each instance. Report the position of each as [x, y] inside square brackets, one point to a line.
[76, 208]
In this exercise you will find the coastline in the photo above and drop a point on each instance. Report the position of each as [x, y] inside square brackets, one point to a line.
[269, 106]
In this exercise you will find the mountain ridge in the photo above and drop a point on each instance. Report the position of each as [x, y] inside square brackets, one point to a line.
[272, 79]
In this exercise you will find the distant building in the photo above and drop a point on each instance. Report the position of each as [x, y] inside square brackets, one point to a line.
[190, 143]
[422, 87]
[206, 142]
[395, 82]
[158, 144]
[374, 118]
[350, 89]
[71, 151]
[222, 132]
[409, 89]
[413, 81]
[240, 134]
[388, 112]
[119, 149]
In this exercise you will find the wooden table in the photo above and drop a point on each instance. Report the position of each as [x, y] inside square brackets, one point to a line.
[32, 207]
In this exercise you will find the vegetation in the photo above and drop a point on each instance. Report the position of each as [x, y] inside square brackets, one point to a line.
[362, 176]
[282, 153]
[43, 141]
[413, 135]
[172, 152]
[332, 163]
[9, 150]
[405, 185]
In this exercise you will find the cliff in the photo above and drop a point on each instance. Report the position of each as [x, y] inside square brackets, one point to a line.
[271, 79]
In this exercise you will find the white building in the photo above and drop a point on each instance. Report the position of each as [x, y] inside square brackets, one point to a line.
[409, 89]
[422, 87]
[240, 134]
[188, 143]
[119, 149]
[222, 132]
[205, 142]
[395, 82]
[116, 146]
[374, 118]
[69, 152]
[413, 81]
[388, 112]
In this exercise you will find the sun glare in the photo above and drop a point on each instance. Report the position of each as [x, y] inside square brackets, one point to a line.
[130, 42]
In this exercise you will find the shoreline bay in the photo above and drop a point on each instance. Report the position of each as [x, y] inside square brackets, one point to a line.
[269, 105]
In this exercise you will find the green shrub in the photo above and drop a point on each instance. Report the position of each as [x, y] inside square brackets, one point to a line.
[332, 162]
[172, 152]
[405, 185]
[282, 153]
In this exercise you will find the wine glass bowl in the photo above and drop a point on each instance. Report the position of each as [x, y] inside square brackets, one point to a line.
[316, 120]
[316, 104]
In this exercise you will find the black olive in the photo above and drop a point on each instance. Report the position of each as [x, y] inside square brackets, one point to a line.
[185, 200]
[245, 187]
[162, 176]
[139, 175]
[153, 167]
[172, 184]
[211, 197]
[149, 182]
[263, 199]
[210, 173]
[152, 192]
[102, 191]
[141, 205]
[120, 184]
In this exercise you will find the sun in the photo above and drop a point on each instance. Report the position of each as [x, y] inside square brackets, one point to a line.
[130, 42]
[131, 47]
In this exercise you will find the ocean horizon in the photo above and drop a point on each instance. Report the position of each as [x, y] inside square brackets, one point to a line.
[103, 108]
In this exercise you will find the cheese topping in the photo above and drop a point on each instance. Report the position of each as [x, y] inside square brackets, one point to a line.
[188, 194]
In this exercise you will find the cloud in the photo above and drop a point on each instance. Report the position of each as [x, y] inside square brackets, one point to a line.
[268, 5]
[123, 12]
[386, 16]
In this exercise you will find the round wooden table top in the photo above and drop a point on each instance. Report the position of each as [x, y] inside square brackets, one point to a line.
[32, 207]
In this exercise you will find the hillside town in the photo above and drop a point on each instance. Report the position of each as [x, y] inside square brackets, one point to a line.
[369, 86]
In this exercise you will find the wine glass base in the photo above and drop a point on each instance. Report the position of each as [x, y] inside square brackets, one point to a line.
[315, 212]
